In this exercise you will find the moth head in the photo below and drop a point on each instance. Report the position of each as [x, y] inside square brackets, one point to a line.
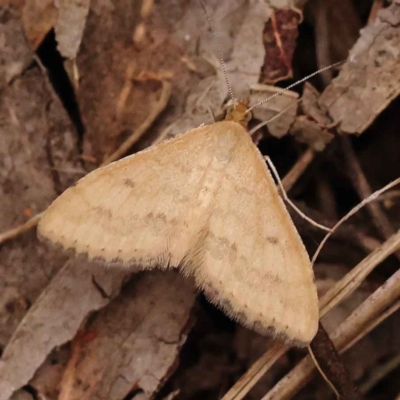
[238, 112]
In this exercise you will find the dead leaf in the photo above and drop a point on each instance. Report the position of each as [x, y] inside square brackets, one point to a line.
[286, 105]
[47, 378]
[311, 107]
[38, 18]
[311, 133]
[71, 23]
[22, 395]
[370, 79]
[134, 342]
[279, 37]
[33, 126]
[15, 54]
[54, 319]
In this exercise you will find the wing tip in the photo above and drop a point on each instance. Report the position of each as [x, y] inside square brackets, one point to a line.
[162, 261]
[264, 328]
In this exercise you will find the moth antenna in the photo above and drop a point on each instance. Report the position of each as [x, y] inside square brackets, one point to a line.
[293, 85]
[261, 124]
[219, 51]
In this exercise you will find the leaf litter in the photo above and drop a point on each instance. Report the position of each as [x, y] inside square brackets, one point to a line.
[100, 76]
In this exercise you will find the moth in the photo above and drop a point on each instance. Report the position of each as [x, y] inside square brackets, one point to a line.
[203, 202]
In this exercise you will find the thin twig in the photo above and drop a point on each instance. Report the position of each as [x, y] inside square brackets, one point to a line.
[322, 39]
[364, 190]
[353, 211]
[347, 331]
[342, 289]
[393, 194]
[254, 374]
[373, 324]
[298, 169]
[19, 230]
[321, 371]
[380, 372]
[137, 134]
[276, 116]
[331, 367]
[353, 279]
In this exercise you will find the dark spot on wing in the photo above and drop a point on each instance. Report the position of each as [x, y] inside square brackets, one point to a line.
[129, 182]
[162, 217]
[116, 261]
[99, 260]
[103, 211]
[272, 239]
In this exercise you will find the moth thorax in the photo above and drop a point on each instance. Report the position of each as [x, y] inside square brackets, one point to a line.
[237, 112]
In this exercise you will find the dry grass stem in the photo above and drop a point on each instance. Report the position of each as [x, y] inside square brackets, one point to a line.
[360, 205]
[342, 289]
[353, 279]
[298, 169]
[137, 134]
[254, 374]
[347, 331]
[380, 372]
[363, 188]
[19, 230]
[372, 324]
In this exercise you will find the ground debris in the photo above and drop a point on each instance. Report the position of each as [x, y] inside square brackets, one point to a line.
[73, 330]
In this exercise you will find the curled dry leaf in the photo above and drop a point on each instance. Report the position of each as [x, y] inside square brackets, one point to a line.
[370, 79]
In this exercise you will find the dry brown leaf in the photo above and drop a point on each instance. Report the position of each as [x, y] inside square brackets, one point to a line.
[370, 79]
[38, 17]
[54, 319]
[33, 127]
[15, 53]
[286, 104]
[134, 342]
[70, 25]
[104, 82]
[46, 380]
[279, 37]
[311, 107]
[22, 395]
[311, 133]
